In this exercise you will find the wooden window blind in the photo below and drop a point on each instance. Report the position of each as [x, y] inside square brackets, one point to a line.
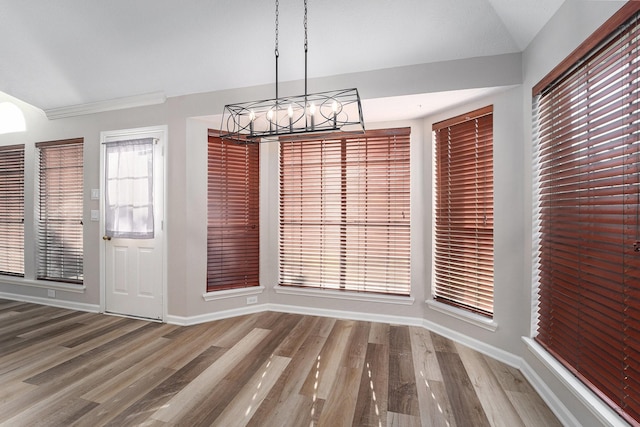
[12, 210]
[464, 211]
[587, 134]
[344, 212]
[233, 228]
[60, 210]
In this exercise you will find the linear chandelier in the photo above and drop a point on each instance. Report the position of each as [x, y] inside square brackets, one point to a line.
[294, 116]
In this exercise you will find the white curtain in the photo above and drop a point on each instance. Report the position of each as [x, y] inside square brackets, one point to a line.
[129, 189]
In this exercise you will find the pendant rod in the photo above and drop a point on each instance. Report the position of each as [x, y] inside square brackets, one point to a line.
[258, 121]
[306, 48]
[276, 51]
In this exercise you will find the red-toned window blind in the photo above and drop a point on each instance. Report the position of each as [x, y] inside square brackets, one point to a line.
[464, 211]
[60, 208]
[12, 210]
[587, 133]
[233, 229]
[344, 212]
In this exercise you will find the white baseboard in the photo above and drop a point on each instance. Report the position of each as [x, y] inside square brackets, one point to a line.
[281, 308]
[598, 408]
[71, 305]
[484, 348]
[555, 405]
[558, 408]
[210, 317]
[563, 414]
[349, 315]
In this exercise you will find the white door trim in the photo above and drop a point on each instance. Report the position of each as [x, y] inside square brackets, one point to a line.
[163, 133]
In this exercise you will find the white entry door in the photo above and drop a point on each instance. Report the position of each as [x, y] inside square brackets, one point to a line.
[133, 221]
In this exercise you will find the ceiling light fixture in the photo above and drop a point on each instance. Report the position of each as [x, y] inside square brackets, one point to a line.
[267, 120]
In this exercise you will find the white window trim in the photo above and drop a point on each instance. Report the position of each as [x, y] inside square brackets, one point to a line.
[464, 315]
[345, 295]
[59, 286]
[37, 223]
[232, 293]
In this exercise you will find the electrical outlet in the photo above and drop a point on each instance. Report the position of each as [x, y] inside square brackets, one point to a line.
[252, 299]
[51, 293]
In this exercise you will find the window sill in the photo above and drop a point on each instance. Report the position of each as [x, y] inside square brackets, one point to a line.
[58, 286]
[232, 293]
[597, 407]
[344, 295]
[458, 313]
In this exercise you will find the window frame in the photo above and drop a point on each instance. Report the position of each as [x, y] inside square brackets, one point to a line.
[233, 224]
[547, 336]
[463, 271]
[325, 164]
[59, 209]
[12, 161]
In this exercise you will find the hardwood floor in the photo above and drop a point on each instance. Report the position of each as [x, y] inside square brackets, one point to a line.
[64, 368]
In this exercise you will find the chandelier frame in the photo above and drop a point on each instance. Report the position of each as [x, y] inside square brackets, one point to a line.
[301, 115]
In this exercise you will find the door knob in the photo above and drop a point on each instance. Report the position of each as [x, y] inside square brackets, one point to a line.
[106, 237]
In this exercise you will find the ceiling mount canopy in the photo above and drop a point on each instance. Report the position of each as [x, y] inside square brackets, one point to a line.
[301, 115]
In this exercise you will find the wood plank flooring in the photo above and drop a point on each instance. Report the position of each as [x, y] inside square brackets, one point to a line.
[64, 368]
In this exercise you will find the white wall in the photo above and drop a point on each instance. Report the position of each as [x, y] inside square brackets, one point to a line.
[186, 178]
[187, 119]
[477, 72]
[87, 127]
[510, 290]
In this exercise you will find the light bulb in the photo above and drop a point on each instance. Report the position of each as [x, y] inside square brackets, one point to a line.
[334, 107]
[312, 113]
[252, 117]
[290, 112]
[270, 115]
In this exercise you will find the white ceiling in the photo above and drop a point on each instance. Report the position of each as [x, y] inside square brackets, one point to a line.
[71, 52]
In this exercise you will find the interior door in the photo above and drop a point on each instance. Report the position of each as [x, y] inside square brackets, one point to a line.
[132, 209]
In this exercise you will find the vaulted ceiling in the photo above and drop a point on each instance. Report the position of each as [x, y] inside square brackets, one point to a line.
[71, 52]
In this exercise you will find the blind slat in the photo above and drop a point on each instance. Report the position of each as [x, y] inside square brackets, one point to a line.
[344, 213]
[464, 211]
[12, 210]
[586, 127]
[60, 211]
[233, 228]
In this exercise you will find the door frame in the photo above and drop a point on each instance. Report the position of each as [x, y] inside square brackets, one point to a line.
[161, 132]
